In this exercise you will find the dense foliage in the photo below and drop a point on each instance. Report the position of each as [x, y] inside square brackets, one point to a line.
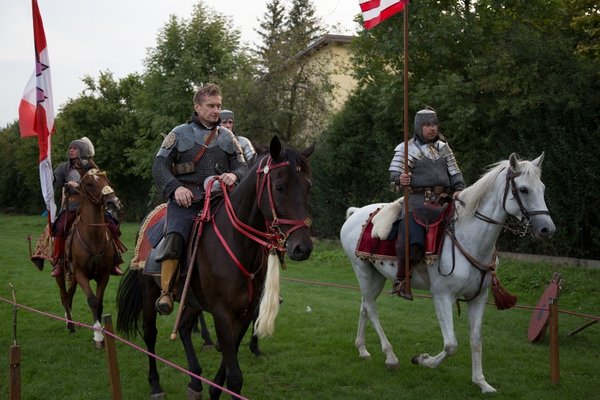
[504, 76]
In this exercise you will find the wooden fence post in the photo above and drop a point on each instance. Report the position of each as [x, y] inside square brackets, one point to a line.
[554, 357]
[111, 358]
[15, 373]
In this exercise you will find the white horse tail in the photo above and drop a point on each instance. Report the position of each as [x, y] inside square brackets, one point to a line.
[350, 211]
[269, 302]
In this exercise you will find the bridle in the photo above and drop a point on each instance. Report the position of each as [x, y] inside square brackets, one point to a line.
[520, 228]
[274, 239]
[95, 198]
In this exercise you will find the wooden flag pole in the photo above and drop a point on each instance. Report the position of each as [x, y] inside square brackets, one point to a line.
[14, 373]
[406, 188]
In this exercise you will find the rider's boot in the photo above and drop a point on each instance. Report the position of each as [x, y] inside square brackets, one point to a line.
[118, 260]
[164, 304]
[58, 257]
[401, 288]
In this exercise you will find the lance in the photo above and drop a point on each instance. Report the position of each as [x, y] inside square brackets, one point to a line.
[406, 188]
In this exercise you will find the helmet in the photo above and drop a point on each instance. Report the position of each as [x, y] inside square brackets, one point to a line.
[85, 146]
[227, 114]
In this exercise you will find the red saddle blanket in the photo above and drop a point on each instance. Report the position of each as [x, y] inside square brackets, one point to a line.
[143, 246]
[386, 249]
[374, 248]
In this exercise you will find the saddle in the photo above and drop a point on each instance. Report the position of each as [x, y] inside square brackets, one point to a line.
[433, 217]
[151, 234]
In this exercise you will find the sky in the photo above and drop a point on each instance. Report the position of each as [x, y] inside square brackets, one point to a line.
[85, 37]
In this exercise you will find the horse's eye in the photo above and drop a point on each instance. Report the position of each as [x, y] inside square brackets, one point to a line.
[524, 190]
[279, 187]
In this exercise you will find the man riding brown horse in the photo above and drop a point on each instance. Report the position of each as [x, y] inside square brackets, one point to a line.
[66, 181]
[189, 156]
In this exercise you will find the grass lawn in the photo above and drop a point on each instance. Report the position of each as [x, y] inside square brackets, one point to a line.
[312, 353]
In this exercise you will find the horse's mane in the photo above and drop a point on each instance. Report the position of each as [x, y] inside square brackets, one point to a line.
[472, 195]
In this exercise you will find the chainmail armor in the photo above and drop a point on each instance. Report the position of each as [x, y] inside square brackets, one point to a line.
[224, 151]
[431, 164]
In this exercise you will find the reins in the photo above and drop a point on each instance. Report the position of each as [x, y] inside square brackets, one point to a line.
[274, 239]
[504, 300]
[520, 228]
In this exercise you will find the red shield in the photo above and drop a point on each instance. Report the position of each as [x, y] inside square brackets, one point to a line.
[541, 314]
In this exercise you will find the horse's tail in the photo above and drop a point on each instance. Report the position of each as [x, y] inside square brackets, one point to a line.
[350, 211]
[269, 302]
[129, 303]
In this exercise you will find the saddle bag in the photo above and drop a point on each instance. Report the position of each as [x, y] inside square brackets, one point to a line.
[430, 216]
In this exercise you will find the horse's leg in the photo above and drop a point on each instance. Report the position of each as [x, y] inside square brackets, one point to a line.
[150, 334]
[66, 298]
[188, 319]
[229, 369]
[92, 301]
[204, 332]
[371, 284]
[476, 308]
[443, 310]
[100, 289]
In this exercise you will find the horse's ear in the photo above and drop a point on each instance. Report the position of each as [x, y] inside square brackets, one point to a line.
[514, 161]
[275, 148]
[538, 161]
[308, 151]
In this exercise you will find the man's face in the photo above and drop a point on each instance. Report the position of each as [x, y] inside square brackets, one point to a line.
[73, 152]
[227, 123]
[429, 132]
[209, 111]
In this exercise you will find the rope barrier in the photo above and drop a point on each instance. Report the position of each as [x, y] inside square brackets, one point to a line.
[124, 341]
[427, 296]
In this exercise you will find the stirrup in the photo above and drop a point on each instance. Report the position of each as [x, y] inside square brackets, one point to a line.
[164, 307]
[58, 268]
[399, 289]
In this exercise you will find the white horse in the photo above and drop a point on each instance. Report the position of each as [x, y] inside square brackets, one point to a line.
[466, 264]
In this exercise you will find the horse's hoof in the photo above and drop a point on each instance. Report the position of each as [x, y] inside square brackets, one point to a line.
[99, 345]
[158, 396]
[392, 365]
[193, 395]
[415, 360]
[208, 347]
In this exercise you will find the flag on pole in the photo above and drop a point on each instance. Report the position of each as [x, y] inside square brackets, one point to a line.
[375, 11]
[36, 112]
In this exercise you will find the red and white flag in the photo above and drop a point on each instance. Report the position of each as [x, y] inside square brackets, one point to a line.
[36, 112]
[375, 11]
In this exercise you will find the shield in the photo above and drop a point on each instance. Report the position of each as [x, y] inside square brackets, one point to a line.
[541, 314]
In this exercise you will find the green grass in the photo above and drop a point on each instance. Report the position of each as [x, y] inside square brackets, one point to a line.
[312, 353]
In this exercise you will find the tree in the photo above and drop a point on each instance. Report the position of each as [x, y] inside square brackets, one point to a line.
[504, 77]
[292, 90]
[188, 53]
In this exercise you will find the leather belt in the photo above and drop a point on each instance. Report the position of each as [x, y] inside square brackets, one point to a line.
[435, 190]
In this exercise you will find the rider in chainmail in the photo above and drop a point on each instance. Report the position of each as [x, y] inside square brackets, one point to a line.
[181, 172]
[228, 121]
[432, 173]
[66, 182]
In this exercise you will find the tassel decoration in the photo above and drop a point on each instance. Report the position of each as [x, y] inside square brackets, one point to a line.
[502, 298]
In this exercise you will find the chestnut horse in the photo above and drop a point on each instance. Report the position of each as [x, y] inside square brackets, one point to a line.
[235, 267]
[90, 249]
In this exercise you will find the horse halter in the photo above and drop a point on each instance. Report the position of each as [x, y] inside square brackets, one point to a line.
[264, 180]
[95, 197]
[521, 228]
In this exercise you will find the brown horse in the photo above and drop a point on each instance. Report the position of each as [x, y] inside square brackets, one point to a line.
[236, 263]
[90, 249]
